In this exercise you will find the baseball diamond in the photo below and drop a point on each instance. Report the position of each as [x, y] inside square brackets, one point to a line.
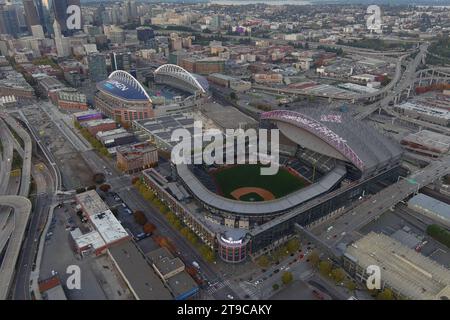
[236, 182]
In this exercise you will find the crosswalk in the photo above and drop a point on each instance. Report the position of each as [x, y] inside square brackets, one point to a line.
[218, 286]
[251, 291]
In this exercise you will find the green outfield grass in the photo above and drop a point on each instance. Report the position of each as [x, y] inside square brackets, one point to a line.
[232, 178]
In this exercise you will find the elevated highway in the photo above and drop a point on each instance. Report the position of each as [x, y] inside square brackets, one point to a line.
[5, 157]
[25, 153]
[14, 231]
[371, 209]
[406, 80]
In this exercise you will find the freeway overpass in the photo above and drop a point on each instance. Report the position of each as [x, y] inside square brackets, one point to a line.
[6, 157]
[14, 230]
[25, 153]
[407, 79]
[381, 202]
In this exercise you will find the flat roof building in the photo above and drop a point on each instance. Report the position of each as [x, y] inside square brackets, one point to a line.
[90, 202]
[95, 126]
[433, 115]
[427, 143]
[109, 228]
[136, 157]
[86, 115]
[172, 271]
[137, 272]
[430, 207]
[407, 272]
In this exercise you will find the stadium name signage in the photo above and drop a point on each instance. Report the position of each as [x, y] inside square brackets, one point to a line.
[231, 241]
[190, 148]
[316, 127]
[118, 85]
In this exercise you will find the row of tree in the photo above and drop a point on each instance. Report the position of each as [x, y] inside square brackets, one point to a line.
[290, 247]
[174, 220]
[92, 140]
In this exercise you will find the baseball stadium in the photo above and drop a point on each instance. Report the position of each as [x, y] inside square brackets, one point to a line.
[327, 160]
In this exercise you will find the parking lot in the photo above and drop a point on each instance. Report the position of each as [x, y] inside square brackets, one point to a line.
[401, 219]
[75, 171]
[125, 216]
[97, 281]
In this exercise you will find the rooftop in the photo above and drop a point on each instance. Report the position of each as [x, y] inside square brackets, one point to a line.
[430, 139]
[412, 274]
[436, 112]
[97, 122]
[431, 205]
[109, 228]
[138, 273]
[91, 202]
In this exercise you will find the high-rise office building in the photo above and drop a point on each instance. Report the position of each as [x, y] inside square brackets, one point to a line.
[99, 14]
[9, 23]
[62, 47]
[131, 10]
[120, 61]
[31, 13]
[145, 34]
[97, 67]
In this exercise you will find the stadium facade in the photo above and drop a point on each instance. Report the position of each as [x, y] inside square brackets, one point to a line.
[122, 98]
[341, 157]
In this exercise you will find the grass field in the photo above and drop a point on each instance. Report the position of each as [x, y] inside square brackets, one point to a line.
[232, 178]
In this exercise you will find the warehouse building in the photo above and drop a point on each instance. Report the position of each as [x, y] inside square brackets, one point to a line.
[430, 207]
[115, 137]
[136, 157]
[86, 116]
[107, 230]
[433, 115]
[427, 143]
[408, 273]
[138, 273]
[95, 126]
[172, 271]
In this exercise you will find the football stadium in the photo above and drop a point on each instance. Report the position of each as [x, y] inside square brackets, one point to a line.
[327, 160]
[122, 98]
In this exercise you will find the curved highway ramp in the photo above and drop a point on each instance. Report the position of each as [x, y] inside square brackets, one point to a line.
[12, 232]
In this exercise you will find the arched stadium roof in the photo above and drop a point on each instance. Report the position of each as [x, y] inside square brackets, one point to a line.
[123, 85]
[357, 142]
[182, 74]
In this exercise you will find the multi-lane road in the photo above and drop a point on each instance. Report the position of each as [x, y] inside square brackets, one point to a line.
[334, 231]
[19, 219]
[400, 83]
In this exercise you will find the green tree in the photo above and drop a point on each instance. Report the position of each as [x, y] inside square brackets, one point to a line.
[314, 258]
[275, 287]
[325, 267]
[185, 232]
[386, 294]
[263, 261]
[207, 253]
[293, 245]
[287, 277]
[350, 285]
[338, 274]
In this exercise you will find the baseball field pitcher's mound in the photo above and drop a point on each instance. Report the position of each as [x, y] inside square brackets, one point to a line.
[252, 194]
